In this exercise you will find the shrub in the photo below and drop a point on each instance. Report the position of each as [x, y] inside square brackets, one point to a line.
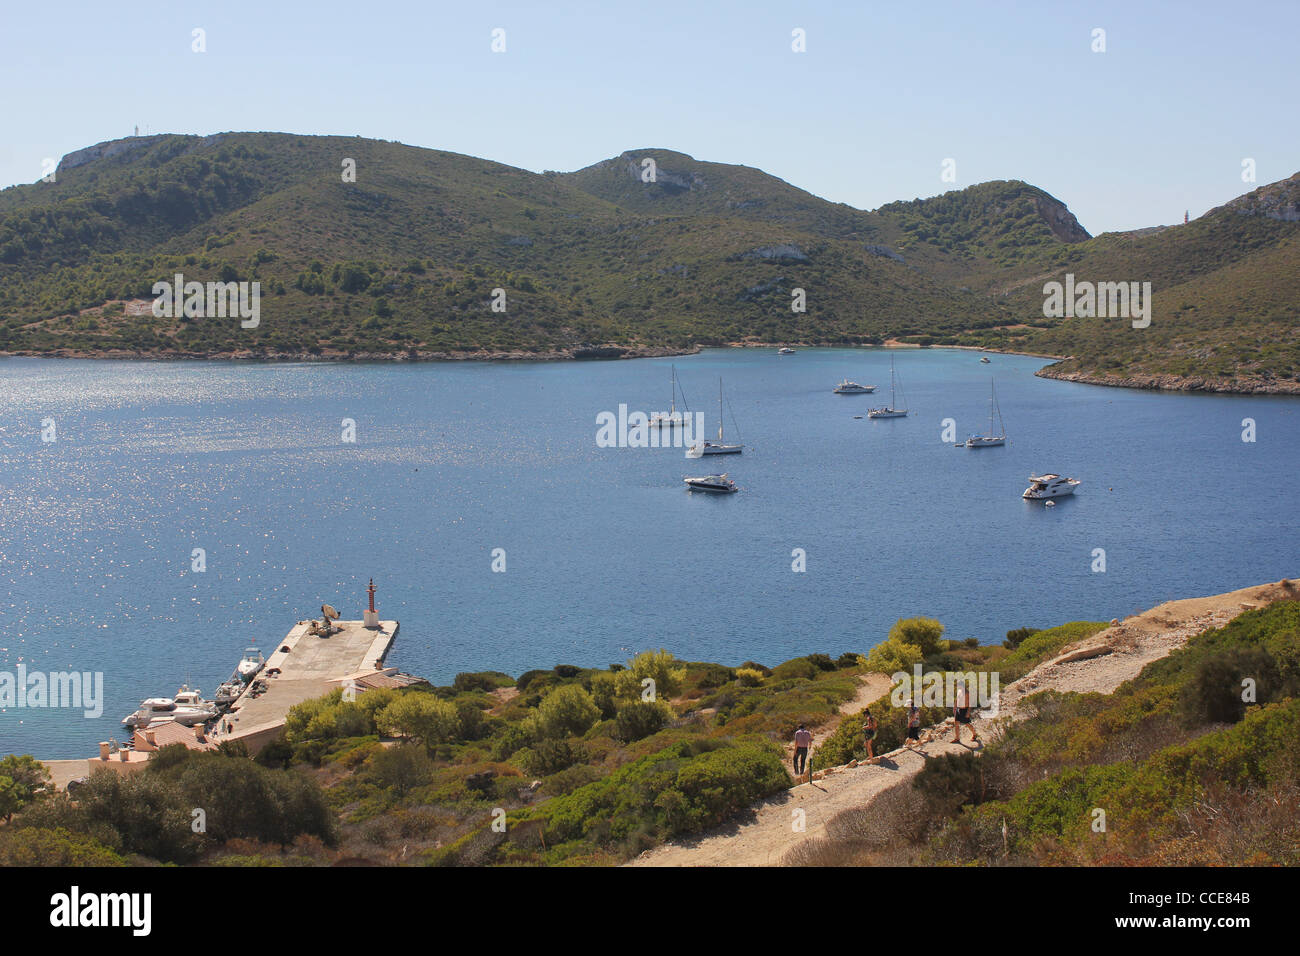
[711, 675]
[924, 632]
[749, 677]
[482, 680]
[640, 719]
[549, 756]
[38, 846]
[659, 666]
[848, 659]
[1016, 638]
[421, 717]
[603, 694]
[799, 667]
[401, 768]
[892, 656]
[567, 710]
[528, 677]
[567, 671]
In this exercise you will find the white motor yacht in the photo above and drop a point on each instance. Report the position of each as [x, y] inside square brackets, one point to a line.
[251, 663]
[1043, 487]
[853, 388]
[717, 483]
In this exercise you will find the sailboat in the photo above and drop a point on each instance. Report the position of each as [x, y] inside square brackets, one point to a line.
[891, 410]
[672, 418]
[990, 439]
[699, 449]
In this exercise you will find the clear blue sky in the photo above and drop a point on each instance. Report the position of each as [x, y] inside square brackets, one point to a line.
[1131, 137]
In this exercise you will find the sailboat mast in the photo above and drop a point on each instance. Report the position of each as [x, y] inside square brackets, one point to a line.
[719, 409]
[672, 402]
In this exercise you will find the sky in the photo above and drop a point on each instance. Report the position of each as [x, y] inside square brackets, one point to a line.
[1159, 122]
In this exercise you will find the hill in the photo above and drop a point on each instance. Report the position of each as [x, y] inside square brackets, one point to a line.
[424, 253]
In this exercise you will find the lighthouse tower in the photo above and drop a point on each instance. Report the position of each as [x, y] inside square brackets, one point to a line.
[370, 617]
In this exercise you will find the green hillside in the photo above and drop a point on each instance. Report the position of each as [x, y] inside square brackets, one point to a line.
[404, 261]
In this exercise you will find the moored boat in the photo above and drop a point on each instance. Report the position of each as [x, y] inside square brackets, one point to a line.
[1043, 487]
[715, 483]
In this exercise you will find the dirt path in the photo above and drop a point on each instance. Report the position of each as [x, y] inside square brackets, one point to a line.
[1101, 663]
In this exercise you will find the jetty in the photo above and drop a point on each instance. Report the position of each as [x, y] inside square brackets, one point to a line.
[314, 658]
[304, 665]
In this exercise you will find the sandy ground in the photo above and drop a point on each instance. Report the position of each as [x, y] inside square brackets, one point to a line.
[1101, 663]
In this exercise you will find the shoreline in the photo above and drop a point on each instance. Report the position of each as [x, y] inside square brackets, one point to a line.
[609, 352]
[1172, 383]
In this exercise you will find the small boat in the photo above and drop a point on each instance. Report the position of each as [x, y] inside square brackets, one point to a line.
[785, 350]
[715, 483]
[1043, 487]
[152, 710]
[190, 705]
[990, 439]
[228, 693]
[853, 388]
[188, 708]
[671, 418]
[250, 664]
[719, 447]
[984, 359]
[891, 410]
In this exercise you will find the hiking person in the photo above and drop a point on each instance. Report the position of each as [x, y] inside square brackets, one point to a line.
[869, 731]
[802, 741]
[961, 711]
[913, 723]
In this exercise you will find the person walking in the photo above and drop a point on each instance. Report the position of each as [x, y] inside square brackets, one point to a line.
[802, 741]
[869, 727]
[961, 711]
[913, 724]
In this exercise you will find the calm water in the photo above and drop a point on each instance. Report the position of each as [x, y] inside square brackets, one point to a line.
[606, 552]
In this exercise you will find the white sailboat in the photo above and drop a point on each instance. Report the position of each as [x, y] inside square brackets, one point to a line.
[702, 448]
[990, 439]
[672, 418]
[891, 410]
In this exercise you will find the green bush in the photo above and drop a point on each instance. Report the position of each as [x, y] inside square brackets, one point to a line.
[640, 718]
[38, 846]
[567, 710]
[799, 667]
[891, 656]
[658, 666]
[482, 680]
[421, 717]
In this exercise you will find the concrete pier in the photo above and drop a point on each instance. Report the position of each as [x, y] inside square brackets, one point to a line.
[308, 666]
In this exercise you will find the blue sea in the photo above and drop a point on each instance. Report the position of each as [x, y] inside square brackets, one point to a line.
[605, 551]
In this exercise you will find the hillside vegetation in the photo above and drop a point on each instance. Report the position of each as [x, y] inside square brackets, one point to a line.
[433, 254]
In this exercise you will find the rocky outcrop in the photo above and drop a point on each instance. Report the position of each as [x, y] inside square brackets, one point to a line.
[1059, 219]
[1240, 385]
[117, 147]
[782, 253]
[885, 253]
[1280, 201]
